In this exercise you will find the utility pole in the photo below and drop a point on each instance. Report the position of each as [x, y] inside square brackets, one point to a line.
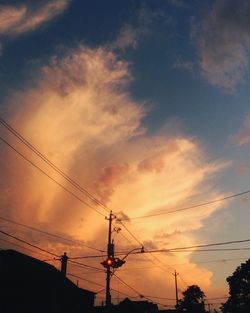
[209, 307]
[64, 260]
[110, 253]
[176, 287]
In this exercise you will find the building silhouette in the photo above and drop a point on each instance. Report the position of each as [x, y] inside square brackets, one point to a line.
[28, 285]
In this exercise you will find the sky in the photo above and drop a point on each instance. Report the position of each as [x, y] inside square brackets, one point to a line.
[145, 104]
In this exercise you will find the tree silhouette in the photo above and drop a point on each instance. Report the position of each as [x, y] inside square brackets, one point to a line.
[239, 290]
[193, 300]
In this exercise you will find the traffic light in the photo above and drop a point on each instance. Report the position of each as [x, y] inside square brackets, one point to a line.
[118, 263]
[112, 262]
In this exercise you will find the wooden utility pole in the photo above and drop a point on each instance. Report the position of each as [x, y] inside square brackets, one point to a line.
[110, 253]
[176, 287]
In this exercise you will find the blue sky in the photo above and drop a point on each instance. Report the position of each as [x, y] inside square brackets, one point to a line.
[173, 73]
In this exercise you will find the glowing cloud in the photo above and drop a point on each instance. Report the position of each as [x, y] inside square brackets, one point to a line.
[15, 20]
[80, 114]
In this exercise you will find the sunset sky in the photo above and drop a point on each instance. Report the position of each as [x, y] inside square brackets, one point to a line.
[145, 104]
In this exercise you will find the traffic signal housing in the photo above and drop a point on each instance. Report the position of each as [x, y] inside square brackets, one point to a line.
[112, 262]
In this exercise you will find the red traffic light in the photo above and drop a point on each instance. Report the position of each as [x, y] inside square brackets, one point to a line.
[112, 262]
[108, 263]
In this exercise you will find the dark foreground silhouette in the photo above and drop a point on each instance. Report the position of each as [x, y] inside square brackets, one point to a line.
[28, 285]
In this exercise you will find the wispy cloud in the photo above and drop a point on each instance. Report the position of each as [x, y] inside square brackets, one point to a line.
[180, 3]
[132, 33]
[80, 114]
[15, 20]
[223, 41]
[182, 64]
[243, 136]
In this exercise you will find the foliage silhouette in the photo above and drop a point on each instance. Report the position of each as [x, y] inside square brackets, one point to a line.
[239, 290]
[193, 300]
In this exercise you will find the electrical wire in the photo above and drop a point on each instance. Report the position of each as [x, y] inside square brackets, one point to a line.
[131, 234]
[177, 264]
[50, 177]
[213, 244]
[189, 248]
[21, 247]
[84, 279]
[219, 298]
[16, 238]
[212, 250]
[130, 287]
[53, 254]
[189, 207]
[84, 265]
[51, 164]
[183, 280]
[28, 243]
[145, 250]
[47, 233]
[180, 249]
[138, 293]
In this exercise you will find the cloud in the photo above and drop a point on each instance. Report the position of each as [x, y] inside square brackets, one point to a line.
[131, 34]
[223, 41]
[181, 64]
[179, 3]
[243, 136]
[79, 113]
[15, 20]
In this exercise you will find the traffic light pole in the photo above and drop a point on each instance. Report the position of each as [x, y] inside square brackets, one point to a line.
[110, 253]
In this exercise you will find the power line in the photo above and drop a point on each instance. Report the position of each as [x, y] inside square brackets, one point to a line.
[51, 178]
[161, 298]
[84, 265]
[213, 244]
[147, 251]
[28, 243]
[130, 287]
[189, 207]
[180, 249]
[51, 253]
[138, 293]
[25, 248]
[84, 279]
[219, 298]
[51, 164]
[183, 280]
[47, 233]
[198, 246]
[131, 234]
[177, 264]
[212, 250]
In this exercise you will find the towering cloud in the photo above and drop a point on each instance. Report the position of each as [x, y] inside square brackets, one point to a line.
[80, 114]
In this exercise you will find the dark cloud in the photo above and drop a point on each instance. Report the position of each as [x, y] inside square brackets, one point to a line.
[223, 41]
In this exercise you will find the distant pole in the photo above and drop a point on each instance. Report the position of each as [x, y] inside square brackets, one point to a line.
[176, 287]
[64, 260]
[209, 307]
[110, 253]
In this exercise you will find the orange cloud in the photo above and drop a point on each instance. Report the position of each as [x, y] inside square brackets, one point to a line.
[15, 20]
[81, 115]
